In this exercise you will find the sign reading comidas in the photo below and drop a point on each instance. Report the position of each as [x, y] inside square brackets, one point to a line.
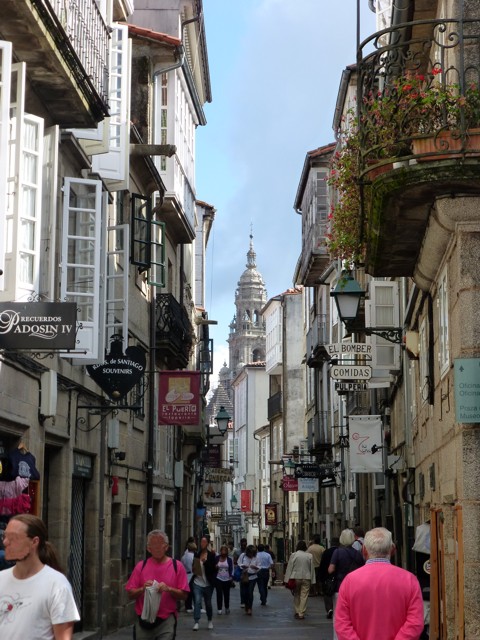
[38, 325]
[179, 397]
[120, 372]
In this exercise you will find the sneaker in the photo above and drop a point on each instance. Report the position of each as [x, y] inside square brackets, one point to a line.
[210, 625]
[189, 610]
[242, 605]
[202, 611]
[219, 612]
[330, 614]
[227, 611]
[195, 626]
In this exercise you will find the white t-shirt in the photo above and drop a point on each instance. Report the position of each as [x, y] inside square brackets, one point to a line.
[29, 608]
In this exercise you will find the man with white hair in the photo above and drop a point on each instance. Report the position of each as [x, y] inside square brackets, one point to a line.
[379, 600]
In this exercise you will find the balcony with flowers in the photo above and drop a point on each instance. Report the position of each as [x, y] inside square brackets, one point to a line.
[414, 136]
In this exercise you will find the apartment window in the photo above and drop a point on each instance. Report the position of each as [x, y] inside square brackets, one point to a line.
[81, 272]
[141, 231]
[116, 306]
[5, 80]
[423, 361]
[158, 266]
[114, 165]
[163, 124]
[444, 347]
[382, 310]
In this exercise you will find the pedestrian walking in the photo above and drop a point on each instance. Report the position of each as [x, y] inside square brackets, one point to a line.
[36, 599]
[273, 572]
[359, 535]
[379, 600]
[316, 549]
[344, 560]
[300, 568]
[224, 579]
[157, 584]
[248, 563]
[323, 575]
[205, 572]
[236, 555]
[265, 562]
[187, 561]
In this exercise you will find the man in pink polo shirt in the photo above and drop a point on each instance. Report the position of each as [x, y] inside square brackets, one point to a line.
[379, 600]
[171, 584]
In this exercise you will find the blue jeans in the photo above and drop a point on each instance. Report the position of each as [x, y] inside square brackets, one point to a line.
[246, 591]
[200, 593]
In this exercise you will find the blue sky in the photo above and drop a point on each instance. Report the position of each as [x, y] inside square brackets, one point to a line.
[275, 68]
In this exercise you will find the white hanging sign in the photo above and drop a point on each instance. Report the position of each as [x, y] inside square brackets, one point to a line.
[366, 444]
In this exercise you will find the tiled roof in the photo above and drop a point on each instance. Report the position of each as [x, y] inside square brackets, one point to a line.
[164, 38]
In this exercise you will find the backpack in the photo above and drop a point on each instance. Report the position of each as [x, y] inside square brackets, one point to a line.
[355, 562]
[173, 560]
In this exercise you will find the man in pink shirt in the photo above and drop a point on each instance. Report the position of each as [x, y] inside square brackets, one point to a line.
[379, 600]
[168, 578]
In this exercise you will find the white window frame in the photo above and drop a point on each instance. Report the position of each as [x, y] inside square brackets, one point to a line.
[90, 342]
[116, 303]
[372, 312]
[48, 239]
[423, 370]
[5, 92]
[114, 165]
[158, 267]
[443, 324]
[21, 182]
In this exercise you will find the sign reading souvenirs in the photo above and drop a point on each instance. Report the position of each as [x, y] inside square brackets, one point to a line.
[38, 325]
[120, 372]
[351, 372]
[179, 397]
[345, 349]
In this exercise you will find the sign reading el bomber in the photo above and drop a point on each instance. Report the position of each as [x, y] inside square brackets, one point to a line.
[467, 389]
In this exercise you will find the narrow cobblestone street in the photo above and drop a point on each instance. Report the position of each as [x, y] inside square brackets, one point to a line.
[275, 619]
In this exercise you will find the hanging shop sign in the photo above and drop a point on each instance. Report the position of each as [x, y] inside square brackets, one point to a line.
[351, 372]
[289, 484]
[351, 386]
[271, 514]
[307, 485]
[306, 470]
[218, 475]
[179, 397]
[349, 349]
[246, 500]
[120, 372]
[213, 493]
[38, 325]
[366, 444]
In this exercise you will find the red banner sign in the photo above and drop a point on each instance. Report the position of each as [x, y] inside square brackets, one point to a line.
[246, 500]
[290, 484]
[179, 397]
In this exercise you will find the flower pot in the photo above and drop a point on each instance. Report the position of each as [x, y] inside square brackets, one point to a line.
[376, 171]
[445, 145]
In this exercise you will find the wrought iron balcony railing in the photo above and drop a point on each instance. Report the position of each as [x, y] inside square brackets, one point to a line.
[419, 81]
[174, 332]
[275, 406]
[317, 338]
[81, 35]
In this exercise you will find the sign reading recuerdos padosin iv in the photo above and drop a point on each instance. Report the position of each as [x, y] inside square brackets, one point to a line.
[38, 325]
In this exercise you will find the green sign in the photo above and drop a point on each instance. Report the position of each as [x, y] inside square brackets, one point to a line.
[467, 389]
